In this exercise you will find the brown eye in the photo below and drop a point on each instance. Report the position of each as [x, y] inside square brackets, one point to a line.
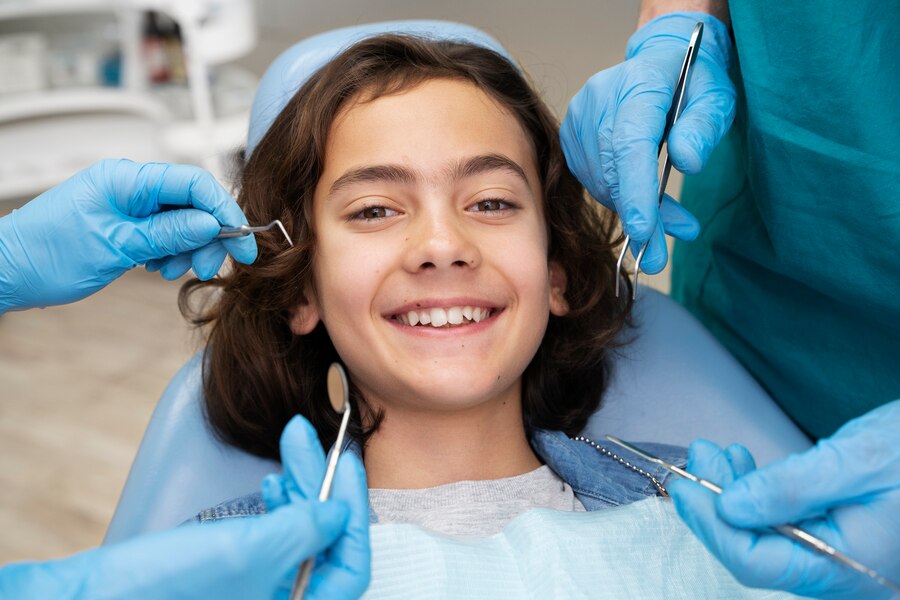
[373, 213]
[491, 205]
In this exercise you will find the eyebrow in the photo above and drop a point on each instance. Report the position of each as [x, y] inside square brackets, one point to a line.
[470, 167]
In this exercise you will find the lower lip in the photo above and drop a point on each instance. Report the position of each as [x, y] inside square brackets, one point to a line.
[429, 331]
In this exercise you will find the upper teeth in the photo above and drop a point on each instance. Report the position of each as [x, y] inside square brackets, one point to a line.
[439, 317]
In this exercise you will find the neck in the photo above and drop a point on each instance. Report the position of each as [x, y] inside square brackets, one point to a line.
[415, 449]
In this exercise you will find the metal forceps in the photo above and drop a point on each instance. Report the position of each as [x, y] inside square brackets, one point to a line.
[339, 395]
[242, 230]
[674, 112]
[789, 531]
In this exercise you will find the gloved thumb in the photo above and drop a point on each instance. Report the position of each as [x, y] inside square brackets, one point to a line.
[169, 233]
[799, 487]
[862, 458]
[299, 530]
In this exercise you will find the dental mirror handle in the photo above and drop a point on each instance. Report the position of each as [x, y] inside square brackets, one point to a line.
[339, 396]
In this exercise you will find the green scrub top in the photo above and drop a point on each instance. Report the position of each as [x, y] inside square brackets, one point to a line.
[797, 269]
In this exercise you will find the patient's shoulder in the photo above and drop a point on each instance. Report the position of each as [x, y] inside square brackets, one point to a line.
[245, 506]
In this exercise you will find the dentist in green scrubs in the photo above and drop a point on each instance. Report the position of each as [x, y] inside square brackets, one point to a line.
[793, 117]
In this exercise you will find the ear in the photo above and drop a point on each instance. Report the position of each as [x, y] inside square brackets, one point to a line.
[304, 317]
[559, 306]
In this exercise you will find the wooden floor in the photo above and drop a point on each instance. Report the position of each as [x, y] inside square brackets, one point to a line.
[77, 386]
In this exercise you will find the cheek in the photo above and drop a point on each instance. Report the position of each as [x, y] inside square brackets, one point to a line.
[347, 277]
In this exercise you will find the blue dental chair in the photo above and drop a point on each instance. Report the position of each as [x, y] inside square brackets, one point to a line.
[673, 384]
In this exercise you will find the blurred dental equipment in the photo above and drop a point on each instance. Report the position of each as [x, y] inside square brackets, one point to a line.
[242, 230]
[677, 105]
[789, 531]
[339, 396]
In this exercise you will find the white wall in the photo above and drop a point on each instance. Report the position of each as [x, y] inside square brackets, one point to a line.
[560, 43]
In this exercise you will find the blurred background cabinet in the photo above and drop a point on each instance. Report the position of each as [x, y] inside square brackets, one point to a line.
[150, 80]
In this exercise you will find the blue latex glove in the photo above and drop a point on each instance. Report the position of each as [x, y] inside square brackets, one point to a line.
[845, 490]
[614, 125]
[79, 236]
[254, 557]
[344, 569]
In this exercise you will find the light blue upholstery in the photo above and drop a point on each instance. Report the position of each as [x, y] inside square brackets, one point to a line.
[674, 383]
[296, 64]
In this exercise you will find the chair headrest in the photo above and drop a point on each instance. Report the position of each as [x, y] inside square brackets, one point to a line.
[296, 64]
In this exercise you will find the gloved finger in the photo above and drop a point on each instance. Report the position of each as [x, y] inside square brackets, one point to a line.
[236, 558]
[207, 261]
[677, 220]
[740, 459]
[169, 233]
[657, 253]
[313, 527]
[735, 548]
[175, 266]
[707, 115]
[192, 186]
[588, 155]
[639, 124]
[243, 249]
[346, 570]
[154, 265]
[273, 491]
[754, 558]
[861, 459]
[141, 190]
[303, 459]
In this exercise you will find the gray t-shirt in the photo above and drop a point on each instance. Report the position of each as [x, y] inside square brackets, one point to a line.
[474, 508]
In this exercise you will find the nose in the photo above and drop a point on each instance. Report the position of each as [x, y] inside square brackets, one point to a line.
[440, 240]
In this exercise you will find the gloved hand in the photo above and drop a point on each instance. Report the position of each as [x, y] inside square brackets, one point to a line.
[77, 237]
[344, 569]
[845, 490]
[613, 127]
[254, 557]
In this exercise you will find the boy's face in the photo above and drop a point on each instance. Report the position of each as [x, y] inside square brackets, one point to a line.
[429, 209]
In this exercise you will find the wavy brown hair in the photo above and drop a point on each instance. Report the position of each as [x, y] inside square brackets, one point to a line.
[257, 374]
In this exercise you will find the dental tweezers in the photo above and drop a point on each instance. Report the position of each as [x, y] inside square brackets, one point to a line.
[678, 101]
[792, 532]
[242, 230]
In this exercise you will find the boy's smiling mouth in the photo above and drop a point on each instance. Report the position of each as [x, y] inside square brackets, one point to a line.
[437, 317]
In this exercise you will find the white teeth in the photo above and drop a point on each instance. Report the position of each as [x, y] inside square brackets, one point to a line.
[441, 317]
[438, 317]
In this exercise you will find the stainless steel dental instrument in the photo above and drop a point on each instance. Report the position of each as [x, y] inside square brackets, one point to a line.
[678, 101]
[242, 230]
[339, 395]
[789, 531]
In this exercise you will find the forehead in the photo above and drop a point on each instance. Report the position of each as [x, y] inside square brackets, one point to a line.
[425, 126]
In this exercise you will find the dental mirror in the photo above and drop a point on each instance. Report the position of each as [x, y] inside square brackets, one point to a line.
[338, 390]
[339, 396]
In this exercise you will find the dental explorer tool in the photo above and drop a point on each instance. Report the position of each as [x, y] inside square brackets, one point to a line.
[339, 396]
[242, 230]
[789, 531]
[678, 101]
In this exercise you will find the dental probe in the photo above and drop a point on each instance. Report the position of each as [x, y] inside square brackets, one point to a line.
[789, 531]
[339, 396]
[242, 230]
